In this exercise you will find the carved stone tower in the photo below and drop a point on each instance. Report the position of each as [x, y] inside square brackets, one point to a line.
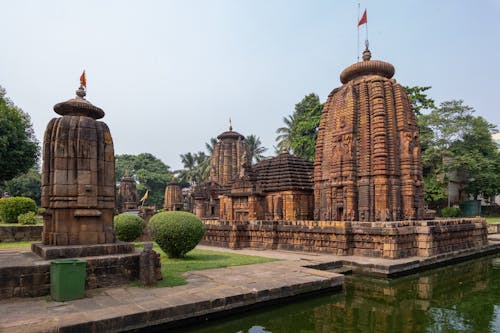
[78, 176]
[229, 158]
[368, 163]
[127, 194]
[173, 196]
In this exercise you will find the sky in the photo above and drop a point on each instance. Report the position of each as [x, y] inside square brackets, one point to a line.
[170, 74]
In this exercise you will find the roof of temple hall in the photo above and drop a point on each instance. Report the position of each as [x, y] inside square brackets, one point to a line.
[284, 172]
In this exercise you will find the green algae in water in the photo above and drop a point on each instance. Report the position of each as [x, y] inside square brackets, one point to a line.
[463, 297]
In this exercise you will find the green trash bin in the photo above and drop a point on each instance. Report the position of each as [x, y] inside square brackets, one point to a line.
[67, 279]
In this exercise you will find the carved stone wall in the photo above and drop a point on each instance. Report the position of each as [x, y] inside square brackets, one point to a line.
[392, 240]
[368, 164]
[78, 176]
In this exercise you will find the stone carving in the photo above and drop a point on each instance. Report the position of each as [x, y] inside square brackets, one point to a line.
[78, 176]
[380, 172]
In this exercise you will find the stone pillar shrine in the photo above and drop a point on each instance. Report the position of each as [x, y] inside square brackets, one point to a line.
[78, 176]
[127, 194]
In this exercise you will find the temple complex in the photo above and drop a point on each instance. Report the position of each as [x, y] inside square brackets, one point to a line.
[127, 194]
[368, 165]
[367, 184]
[78, 176]
[278, 188]
[173, 196]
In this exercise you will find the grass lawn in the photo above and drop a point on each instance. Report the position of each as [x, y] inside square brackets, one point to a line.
[493, 219]
[172, 269]
[196, 260]
[15, 245]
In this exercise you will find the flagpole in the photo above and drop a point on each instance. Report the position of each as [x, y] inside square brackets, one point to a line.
[367, 33]
[357, 22]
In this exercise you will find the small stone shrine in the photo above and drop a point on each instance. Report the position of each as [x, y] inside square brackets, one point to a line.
[173, 196]
[127, 194]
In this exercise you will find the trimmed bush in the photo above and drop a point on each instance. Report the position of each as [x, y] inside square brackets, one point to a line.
[128, 227]
[27, 218]
[176, 232]
[11, 208]
[451, 212]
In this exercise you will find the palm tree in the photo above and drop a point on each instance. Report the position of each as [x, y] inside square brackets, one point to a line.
[211, 145]
[285, 134]
[256, 148]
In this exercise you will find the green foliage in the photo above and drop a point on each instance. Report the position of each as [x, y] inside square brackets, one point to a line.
[19, 148]
[11, 208]
[25, 185]
[150, 173]
[457, 144]
[434, 190]
[128, 227]
[256, 148]
[418, 99]
[196, 167]
[301, 128]
[176, 233]
[29, 218]
[451, 212]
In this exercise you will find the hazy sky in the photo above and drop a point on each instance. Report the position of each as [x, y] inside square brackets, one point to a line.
[169, 74]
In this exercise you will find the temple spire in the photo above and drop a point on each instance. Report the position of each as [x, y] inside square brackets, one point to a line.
[230, 124]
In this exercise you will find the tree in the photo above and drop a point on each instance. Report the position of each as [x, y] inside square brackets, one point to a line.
[256, 148]
[455, 142]
[19, 148]
[301, 128]
[418, 99]
[211, 145]
[196, 168]
[149, 172]
[25, 185]
[284, 138]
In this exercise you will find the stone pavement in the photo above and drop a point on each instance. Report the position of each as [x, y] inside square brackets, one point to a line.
[207, 292]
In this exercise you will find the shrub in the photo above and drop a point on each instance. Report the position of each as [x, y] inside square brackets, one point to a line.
[451, 212]
[176, 232]
[11, 208]
[27, 218]
[128, 227]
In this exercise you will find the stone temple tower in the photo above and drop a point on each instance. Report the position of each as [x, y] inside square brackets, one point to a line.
[368, 163]
[173, 196]
[229, 159]
[127, 194]
[78, 176]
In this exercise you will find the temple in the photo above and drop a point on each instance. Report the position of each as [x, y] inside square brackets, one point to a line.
[78, 176]
[127, 194]
[173, 196]
[274, 189]
[368, 165]
[365, 190]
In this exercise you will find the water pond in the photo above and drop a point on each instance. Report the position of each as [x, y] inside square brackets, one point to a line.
[464, 297]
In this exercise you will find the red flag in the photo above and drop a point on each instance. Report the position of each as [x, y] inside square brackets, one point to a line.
[363, 19]
[83, 80]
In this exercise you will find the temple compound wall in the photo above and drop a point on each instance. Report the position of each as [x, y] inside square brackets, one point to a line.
[392, 240]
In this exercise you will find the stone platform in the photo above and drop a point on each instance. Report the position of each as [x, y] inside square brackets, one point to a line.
[25, 274]
[76, 251]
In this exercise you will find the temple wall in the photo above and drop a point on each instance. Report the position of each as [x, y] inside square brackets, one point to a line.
[399, 239]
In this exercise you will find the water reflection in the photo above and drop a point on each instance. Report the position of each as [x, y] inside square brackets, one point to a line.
[459, 298]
